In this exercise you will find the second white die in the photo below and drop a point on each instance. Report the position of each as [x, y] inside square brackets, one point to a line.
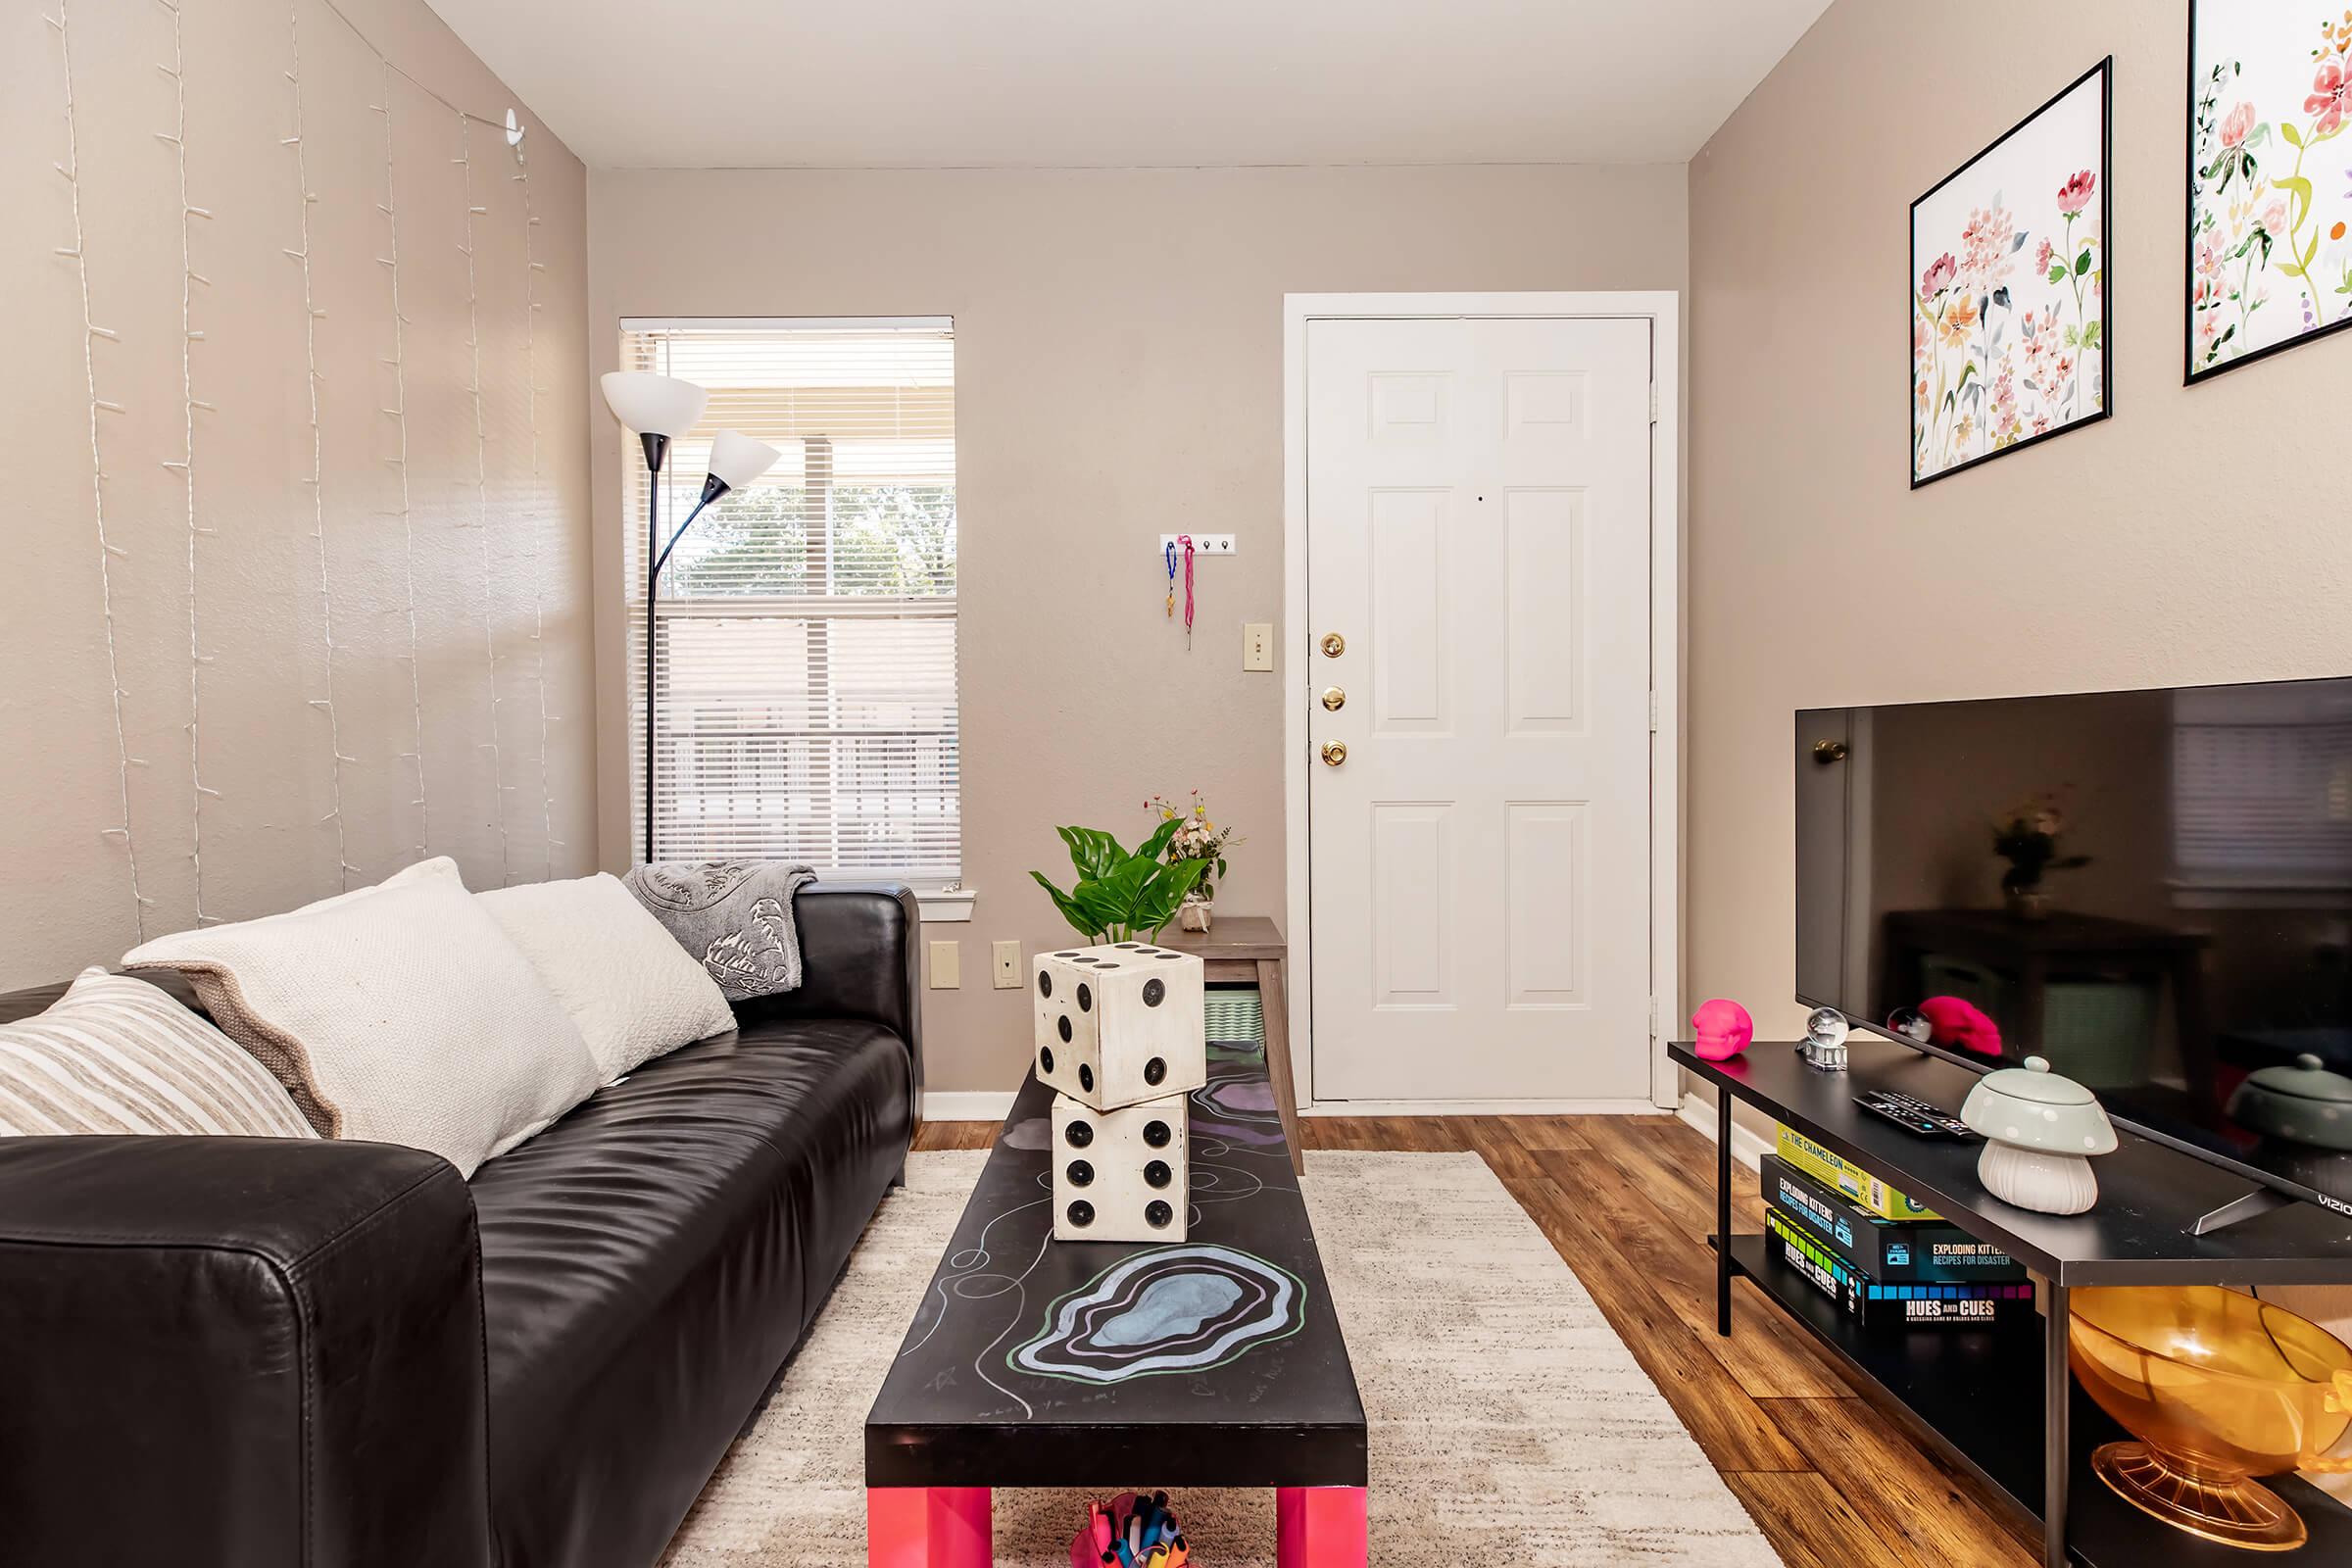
[1121, 1175]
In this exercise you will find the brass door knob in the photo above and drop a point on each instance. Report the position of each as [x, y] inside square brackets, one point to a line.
[1334, 699]
[1334, 752]
[1826, 752]
[1334, 645]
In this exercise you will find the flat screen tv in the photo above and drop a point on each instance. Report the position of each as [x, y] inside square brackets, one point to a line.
[2152, 889]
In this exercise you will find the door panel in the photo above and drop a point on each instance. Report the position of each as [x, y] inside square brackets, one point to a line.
[1406, 566]
[1477, 530]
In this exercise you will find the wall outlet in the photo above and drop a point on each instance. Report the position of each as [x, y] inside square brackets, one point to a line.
[947, 965]
[1203, 544]
[1008, 965]
[1257, 645]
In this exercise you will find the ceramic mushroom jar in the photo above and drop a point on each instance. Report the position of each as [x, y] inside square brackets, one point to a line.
[2040, 1130]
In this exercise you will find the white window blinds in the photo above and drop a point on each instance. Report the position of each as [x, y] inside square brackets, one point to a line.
[804, 677]
[2262, 785]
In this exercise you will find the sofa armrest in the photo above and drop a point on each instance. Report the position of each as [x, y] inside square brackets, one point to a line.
[264, 1353]
[857, 960]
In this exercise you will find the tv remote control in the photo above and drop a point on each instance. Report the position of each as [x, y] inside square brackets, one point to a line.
[1917, 1118]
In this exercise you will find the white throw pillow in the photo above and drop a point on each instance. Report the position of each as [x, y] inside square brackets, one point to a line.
[633, 992]
[399, 1013]
[115, 1055]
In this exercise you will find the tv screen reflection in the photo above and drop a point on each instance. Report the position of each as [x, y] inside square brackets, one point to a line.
[2152, 889]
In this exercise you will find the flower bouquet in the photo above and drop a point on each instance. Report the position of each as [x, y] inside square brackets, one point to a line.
[1196, 838]
[2026, 837]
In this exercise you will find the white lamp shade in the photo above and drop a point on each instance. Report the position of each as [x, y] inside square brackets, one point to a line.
[737, 459]
[653, 405]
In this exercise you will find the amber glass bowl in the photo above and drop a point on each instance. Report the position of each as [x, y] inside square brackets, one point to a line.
[2218, 1388]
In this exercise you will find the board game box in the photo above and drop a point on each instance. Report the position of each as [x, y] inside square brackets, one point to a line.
[1892, 1251]
[1858, 1185]
[1886, 1304]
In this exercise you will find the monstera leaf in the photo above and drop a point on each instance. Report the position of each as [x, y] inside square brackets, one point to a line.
[1121, 893]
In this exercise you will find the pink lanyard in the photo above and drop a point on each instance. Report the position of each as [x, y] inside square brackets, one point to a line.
[1185, 540]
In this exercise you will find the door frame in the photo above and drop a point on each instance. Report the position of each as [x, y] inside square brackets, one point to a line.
[1662, 309]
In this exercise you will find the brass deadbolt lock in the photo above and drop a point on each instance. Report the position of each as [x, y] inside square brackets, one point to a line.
[1334, 752]
[1334, 645]
[1334, 699]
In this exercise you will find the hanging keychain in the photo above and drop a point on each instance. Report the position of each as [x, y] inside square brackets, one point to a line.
[1171, 552]
[1185, 540]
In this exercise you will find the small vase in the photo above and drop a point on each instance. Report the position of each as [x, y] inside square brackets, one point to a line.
[2026, 903]
[1194, 914]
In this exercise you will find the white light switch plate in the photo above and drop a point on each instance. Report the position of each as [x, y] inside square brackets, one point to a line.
[1203, 544]
[1257, 645]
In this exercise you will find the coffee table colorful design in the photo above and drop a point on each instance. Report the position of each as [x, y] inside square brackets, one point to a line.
[1213, 1363]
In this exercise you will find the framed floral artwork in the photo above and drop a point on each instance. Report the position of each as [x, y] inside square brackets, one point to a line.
[2270, 181]
[2009, 288]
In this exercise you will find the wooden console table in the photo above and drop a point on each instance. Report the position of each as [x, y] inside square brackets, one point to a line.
[1250, 948]
[2001, 1400]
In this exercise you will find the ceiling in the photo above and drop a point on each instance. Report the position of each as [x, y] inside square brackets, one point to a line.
[1113, 83]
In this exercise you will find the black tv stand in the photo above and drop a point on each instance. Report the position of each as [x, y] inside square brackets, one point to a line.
[2001, 1400]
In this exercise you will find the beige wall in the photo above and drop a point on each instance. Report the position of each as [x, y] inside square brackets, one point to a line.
[252, 769]
[2198, 535]
[1120, 361]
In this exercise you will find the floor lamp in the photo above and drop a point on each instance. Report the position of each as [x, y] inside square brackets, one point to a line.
[657, 407]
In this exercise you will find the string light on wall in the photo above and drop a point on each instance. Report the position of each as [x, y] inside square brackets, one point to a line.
[532, 266]
[107, 550]
[176, 138]
[399, 412]
[311, 313]
[481, 493]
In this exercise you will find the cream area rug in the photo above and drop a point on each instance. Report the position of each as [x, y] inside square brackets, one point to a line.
[1509, 1424]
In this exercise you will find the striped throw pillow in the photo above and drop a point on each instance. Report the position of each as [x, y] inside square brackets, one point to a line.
[115, 1054]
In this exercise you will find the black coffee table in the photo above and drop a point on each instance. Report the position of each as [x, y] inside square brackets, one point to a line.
[1212, 1362]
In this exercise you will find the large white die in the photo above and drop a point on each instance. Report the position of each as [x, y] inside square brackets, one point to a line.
[1121, 1024]
[1121, 1175]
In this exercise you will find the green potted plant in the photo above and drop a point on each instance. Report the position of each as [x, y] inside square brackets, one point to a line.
[1121, 893]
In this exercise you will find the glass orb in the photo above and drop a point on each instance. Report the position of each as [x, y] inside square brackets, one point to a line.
[1826, 1027]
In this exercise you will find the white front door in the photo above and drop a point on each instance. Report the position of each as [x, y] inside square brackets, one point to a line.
[1478, 609]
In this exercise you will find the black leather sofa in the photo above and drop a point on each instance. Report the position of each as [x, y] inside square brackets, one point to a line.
[263, 1353]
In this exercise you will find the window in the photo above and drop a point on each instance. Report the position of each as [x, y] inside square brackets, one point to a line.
[2262, 791]
[805, 696]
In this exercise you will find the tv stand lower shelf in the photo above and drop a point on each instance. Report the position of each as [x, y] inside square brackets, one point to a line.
[2001, 1400]
[1976, 1394]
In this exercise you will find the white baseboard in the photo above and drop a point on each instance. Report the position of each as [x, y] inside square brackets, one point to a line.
[966, 1105]
[1747, 1147]
[1479, 1108]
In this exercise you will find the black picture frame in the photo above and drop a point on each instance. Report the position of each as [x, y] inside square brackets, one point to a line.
[2104, 70]
[2190, 375]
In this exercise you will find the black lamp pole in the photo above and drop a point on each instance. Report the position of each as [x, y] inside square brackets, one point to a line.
[656, 555]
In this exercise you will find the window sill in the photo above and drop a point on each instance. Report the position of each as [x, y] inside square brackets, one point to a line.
[2255, 891]
[943, 906]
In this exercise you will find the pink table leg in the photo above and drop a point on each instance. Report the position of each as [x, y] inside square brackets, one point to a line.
[1320, 1527]
[927, 1526]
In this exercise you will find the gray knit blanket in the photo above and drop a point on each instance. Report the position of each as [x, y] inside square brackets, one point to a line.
[734, 915]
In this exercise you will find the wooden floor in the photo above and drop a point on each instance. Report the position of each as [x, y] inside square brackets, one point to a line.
[1830, 1479]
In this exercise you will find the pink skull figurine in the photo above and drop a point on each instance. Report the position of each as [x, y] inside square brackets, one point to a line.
[1724, 1029]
